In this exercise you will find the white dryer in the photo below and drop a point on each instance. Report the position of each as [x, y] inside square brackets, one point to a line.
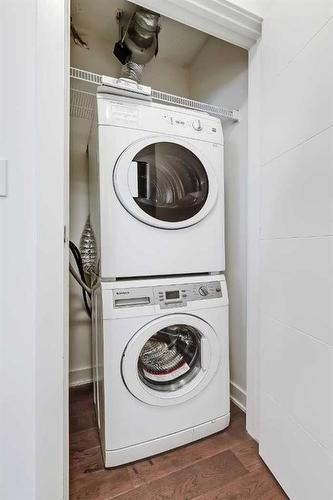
[161, 364]
[156, 189]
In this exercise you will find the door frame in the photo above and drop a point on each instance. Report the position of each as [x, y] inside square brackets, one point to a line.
[223, 20]
[52, 211]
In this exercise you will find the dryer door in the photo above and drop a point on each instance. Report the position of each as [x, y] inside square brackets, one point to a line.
[171, 359]
[165, 183]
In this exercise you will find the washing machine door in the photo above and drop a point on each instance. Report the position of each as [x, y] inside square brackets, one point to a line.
[165, 183]
[171, 359]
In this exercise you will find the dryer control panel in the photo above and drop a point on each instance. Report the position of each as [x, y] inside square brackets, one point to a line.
[158, 118]
[166, 296]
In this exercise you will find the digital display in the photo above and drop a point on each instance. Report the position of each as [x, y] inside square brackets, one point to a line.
[172, 295]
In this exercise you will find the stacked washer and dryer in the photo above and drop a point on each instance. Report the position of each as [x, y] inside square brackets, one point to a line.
[160, 302]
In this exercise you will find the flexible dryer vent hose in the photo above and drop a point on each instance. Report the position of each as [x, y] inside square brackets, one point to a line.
[141, 39]
[88, 248]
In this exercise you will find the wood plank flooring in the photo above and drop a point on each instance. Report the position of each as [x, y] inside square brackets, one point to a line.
[225, 466]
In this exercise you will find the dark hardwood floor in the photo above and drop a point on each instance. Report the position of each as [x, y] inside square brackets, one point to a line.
[225, 466]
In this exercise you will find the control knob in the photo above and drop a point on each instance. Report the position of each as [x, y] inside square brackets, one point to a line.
[203, 291]
[197, 125]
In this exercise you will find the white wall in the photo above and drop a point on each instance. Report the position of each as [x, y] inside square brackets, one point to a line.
[18, 227]
[79, 322]
[98, 59]
[295, 245]
[218, 76]
[161, 74]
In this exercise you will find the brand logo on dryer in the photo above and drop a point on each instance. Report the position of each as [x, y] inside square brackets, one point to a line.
[122, 293]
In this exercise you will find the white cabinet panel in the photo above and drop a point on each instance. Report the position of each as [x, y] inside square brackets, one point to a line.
[296, 253]
[288, 26]
[303, 467]
[297, 284]
[299, 102]
[297, 190]
[298, 373]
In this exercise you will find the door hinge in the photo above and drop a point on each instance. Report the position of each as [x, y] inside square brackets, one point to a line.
[65, 234]
[3, 178]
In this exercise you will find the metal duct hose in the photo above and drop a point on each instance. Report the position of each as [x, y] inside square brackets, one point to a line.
[138, 43]
[169, 354]
[132, 71]
[88, 248]
[157, 357]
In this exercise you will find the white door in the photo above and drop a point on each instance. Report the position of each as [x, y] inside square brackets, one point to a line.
[165, 183]
[33, 211]
[171, 359]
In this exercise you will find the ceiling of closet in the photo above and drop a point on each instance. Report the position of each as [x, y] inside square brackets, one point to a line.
[178, 43]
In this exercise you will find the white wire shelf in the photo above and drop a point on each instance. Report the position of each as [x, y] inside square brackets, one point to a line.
[197, 105]
[83, 103]
[86, 76]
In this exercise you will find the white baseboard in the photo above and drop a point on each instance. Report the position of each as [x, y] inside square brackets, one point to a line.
[238, 396]
[80, 376]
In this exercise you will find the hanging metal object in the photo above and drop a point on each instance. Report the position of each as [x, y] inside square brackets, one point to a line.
[169, 354]
[138, 42]
[88, 248]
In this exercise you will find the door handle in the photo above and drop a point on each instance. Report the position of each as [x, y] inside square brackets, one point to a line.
[205, 358]
[133, 179]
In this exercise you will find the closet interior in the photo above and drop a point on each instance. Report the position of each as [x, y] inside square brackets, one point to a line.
[193, 69]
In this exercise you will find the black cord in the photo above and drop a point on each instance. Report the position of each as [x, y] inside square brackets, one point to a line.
[78, 259]
[77, 38]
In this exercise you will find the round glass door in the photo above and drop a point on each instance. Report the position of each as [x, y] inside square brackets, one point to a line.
[172, 184]
[170, 358]
[164, 183]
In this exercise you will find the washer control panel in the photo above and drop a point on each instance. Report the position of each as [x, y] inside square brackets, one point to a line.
[169, 296]
[166, 296]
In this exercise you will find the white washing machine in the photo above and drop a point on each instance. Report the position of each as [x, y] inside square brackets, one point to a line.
[156, 189]
[161, 364]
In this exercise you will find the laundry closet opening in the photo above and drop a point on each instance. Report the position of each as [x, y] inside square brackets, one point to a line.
[190, 64]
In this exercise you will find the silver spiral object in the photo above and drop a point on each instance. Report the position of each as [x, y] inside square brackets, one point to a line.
[132, 71]
[157, 357]
[141, 40]
[88, 248]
